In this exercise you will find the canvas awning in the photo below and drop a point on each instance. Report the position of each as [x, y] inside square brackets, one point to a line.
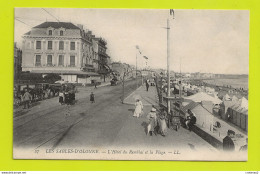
[63, 72]
[202, 96]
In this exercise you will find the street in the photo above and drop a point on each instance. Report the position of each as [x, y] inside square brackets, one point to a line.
[105, 123]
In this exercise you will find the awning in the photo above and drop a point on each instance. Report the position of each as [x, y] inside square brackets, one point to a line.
[63, 72]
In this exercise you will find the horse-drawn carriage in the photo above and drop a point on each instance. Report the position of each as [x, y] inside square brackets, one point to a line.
[69, 90]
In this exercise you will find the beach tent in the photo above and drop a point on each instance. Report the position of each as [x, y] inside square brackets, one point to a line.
[226, 97]
[202, 96]
[239, 113]
[244, 103]
[209, 89]
[234, 98]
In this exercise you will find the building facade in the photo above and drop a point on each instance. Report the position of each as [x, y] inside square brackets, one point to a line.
[102, 60]
[62, 48]
[99, 47]
[17, 62]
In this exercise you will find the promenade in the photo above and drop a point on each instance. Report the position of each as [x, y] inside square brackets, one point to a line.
[148, 98]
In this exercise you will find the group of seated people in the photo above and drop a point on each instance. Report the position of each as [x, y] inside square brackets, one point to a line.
[190, 120]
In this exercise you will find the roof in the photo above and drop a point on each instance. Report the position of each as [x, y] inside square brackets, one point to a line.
[190, 106]
[66, 25]
[202, 96]
[28, 33]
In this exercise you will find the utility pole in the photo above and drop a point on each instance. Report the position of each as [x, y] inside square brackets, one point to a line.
[136, 69]
[123, 97]
[168, 68]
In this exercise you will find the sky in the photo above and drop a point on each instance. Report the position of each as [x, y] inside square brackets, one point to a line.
[206, 41]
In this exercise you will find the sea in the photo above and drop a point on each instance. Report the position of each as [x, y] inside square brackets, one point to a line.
[233, 82]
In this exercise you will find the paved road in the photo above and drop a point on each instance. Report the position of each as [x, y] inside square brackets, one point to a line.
[105, 123]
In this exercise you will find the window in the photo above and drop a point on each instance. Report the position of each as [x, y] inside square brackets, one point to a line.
[72, 60]
[49, 45]
[38, 45]
[50, 32]
[38, 60]
[61, 45]
[72, 45]
[49, 60]
[61, 33]
[61, 60]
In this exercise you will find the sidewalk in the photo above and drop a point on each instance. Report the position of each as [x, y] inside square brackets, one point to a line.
[148, 98]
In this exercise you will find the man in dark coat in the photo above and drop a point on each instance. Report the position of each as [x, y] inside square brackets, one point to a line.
[147, 85]
[228, 144]
[190, 120]
[92, 97]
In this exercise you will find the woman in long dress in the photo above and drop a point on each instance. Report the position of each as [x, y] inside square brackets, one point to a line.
[152, 122]
[138, 108]
[162, 124]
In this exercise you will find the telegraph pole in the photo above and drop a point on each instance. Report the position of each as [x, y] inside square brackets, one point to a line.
[168, 67]
[136, 69]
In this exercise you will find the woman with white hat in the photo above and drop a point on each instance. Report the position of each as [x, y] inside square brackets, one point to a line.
[138, 108]
[152, 123]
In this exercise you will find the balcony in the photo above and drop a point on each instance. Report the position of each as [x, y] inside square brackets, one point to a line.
[88, 68]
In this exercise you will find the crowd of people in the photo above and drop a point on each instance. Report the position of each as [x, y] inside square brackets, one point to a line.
[158, 121]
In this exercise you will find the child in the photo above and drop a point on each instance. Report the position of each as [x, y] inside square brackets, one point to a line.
[92, 97]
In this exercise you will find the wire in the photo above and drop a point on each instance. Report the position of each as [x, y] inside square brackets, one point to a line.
[29, 19]
[51, 14]
[23, 22]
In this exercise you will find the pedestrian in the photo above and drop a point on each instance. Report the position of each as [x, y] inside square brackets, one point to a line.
[61, 97]
[187, 119]
[191, 120]
[26, 99]
[152, 122]
[162, 124]
[66, 97]
[228, 143]
[147, 85]
[73, 97]
[138, 108]
[95, 83]
[92, 97]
